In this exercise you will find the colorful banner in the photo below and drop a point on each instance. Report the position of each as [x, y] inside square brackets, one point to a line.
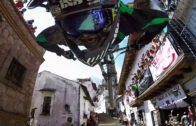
[171, 97]
[165, 57]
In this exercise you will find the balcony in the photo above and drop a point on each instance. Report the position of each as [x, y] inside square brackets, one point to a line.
[184, 68]
[184, 40]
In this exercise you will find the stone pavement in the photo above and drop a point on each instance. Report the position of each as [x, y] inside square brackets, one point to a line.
[116, 123]
[106, 120]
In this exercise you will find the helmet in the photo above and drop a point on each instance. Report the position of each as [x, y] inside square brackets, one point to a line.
[89, 26]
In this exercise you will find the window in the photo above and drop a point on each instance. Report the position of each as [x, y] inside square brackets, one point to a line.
[15, 72]
[46, 105]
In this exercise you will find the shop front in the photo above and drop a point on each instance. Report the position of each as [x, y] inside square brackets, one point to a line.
[169, 105]
[141, 119]
[190, 88]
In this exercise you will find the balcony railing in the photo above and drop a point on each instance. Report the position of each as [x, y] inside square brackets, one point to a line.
[184, 40]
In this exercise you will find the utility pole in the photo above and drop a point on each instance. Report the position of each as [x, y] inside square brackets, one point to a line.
[109, 73]
[110, 76]
[107, 66]
[111, 81]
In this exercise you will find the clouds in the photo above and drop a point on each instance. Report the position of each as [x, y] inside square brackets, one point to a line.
[69, 69]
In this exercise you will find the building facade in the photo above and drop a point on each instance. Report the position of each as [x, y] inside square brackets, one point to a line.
[56, 99]
[20, 58]
[161, 75]
[86, 104]
[91, 87]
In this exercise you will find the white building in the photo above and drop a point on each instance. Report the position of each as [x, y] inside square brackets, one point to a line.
[100, 104]
[56, 99]
[91, 87]
[86, 104]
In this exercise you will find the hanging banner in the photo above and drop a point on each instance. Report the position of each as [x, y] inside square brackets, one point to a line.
[165, 57]
[171, 97]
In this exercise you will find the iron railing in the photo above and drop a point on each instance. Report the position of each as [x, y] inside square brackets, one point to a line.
[184, 40]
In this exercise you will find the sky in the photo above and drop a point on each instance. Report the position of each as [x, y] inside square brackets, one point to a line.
[59, 65]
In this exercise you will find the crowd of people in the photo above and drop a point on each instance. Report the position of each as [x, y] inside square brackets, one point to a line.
[19, 4]
[132, 90]
[30, 25]
[185, 119]
[145, 62]
[146, 59]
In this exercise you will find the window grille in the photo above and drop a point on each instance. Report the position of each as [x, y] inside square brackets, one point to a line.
[15, 72]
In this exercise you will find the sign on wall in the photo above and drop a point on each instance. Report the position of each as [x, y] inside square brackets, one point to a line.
[165, 57]
[171, 97]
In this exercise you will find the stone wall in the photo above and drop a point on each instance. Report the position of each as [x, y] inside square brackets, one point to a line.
[16, 41]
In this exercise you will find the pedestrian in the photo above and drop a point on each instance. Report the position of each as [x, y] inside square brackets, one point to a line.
[32, 117]
[19, 4]
[22, 11]
[191, 116]
[166, 123]
[185, 120]
[92, 120]
[30, 22]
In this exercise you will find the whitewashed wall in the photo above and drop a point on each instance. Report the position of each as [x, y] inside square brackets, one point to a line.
[66, 92]
[148, 108]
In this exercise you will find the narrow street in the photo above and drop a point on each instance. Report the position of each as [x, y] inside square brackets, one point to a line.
[106, 120]
[112, 124]
[98, 63]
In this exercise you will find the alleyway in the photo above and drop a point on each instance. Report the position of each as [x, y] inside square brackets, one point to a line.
[112, 124]
[106, 120]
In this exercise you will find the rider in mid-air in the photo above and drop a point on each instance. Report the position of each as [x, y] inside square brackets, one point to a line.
[91, 27]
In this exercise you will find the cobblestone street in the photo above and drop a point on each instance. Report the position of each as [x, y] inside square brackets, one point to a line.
[106, 120]
[115, 123]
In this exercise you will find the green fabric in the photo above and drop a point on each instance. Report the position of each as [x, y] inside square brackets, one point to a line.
[156, 21]
[125, 9]
[134, 87]
[121, 35]
[41, 39]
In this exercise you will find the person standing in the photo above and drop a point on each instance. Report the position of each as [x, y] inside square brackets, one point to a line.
[32, 117]
[185, 119]
[190, 115]
[91, 121]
